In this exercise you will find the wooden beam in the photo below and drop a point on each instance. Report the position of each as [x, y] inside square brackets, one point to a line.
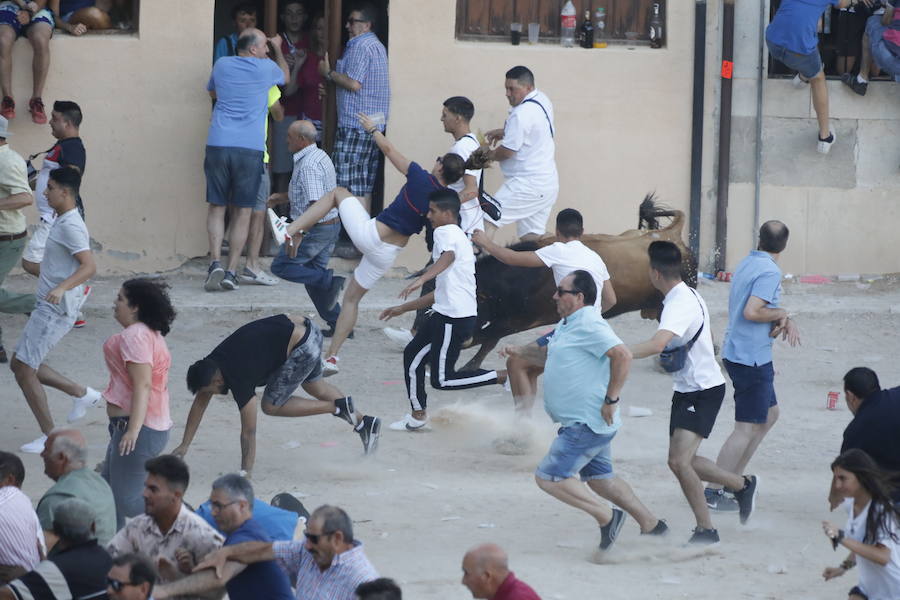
[333, 24]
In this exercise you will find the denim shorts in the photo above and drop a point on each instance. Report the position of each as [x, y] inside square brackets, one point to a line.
[578, 449]
[304, 365]
[807, 65]
[754, 391]
[9, 16]
[232, 176]
[887, 60]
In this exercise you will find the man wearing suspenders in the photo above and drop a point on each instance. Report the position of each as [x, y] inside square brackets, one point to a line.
[526, 155]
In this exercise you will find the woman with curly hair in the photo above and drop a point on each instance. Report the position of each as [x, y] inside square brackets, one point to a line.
[872, 533]
[137, 397]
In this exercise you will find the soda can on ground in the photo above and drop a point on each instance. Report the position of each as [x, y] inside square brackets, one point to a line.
[831, 403]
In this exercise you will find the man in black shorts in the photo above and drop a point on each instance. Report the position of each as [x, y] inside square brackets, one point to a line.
[281, 353]
[699, 389]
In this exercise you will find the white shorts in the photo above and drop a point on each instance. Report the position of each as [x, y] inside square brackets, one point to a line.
[34, 251]
[378, 256]
[471, 217]
[45, 327]
[525, 205]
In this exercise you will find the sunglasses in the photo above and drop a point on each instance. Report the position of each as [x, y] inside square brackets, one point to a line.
[117, 585]
[561, 291]
[352, 21]
[314, 537]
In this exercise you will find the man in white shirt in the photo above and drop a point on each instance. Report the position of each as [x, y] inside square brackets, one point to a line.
[21, 537]
[526, 153]
[684, 328]
[438, 342]
[563, 257]
[456, 116]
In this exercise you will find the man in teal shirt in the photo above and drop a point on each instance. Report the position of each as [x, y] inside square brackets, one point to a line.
[585, 367]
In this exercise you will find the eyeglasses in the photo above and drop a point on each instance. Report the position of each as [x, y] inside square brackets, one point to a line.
[314, 537]
[353, 21]
[561, 291]
[220, 506]
[117, 585]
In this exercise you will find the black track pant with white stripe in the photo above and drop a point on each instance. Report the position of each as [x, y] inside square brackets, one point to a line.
[437, 345]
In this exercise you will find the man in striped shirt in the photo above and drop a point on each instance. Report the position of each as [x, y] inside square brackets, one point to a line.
[313, 177]
[328, 565]
[21, 537]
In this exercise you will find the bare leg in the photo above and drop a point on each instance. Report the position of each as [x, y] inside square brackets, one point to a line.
[48, 376]
[819, 91]
[683, 460]
[238, 236]
[740, 446]
[575, 493]
[297, 406]
[34, 392]
[255, 238]
[215, 230]
[347, 319]
[7, 38]
[39, 36]
[865, 63]
[617, 491]
[523, 382]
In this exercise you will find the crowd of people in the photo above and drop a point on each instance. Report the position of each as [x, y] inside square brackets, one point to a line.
[127, 531]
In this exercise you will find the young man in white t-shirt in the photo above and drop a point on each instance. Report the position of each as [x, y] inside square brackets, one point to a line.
[438, 342]
[563, 257]
[699, 389]
[456, 115]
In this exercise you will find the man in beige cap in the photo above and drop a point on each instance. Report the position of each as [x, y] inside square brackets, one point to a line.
[14, 196]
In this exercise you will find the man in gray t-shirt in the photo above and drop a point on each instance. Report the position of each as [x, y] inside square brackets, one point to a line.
[68, 263]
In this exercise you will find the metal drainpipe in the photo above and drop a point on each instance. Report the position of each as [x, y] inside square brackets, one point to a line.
[761, 78]
[724, 133]
[697, 126]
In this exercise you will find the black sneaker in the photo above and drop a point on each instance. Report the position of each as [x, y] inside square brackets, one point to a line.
[746, 497]
[214, 277]
[344, 407]
[704, 536]
[3, 357]
[369, 432]
[660, 529]
[850, 80]
[337, 285]
[288, 502]
[229, 282]
[330, 332]
[610, 531]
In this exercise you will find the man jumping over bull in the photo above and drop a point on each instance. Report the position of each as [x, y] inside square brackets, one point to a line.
[567, 254]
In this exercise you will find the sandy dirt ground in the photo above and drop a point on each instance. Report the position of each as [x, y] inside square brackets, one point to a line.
[427, 497]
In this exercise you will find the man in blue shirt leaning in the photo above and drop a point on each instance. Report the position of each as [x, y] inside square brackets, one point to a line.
[754, 321]
[792, 40]
[585, 367]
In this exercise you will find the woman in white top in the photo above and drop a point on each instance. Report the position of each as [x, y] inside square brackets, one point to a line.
[872, 533]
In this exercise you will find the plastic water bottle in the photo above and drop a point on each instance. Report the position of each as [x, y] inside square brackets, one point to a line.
[568, 23]
[600, 28]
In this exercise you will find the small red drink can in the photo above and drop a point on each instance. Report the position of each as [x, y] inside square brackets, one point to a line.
[832, 401]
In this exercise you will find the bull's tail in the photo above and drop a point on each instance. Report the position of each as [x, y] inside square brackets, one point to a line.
[650, 211]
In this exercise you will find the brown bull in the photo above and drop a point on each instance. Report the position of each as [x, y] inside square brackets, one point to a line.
[514, 299]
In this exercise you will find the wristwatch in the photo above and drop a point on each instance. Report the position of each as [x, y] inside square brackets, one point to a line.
[608, 400]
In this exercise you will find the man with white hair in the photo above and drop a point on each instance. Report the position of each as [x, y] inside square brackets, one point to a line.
[76, 566]
[232, 506]
[65, 456]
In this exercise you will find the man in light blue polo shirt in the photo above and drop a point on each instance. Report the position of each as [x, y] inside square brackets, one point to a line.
[754, 321]
[585, 367]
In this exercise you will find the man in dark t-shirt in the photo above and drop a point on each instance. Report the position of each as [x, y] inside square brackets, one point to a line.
[281, 353]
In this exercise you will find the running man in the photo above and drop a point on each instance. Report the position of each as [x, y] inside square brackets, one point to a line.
[381, 238]
[699, 389]
[452, 321]
[280, 353]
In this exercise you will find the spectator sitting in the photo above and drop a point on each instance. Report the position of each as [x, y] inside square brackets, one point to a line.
[329, 559]
[244, 17]
[65, 454]
[232, 503]
[76, 559]
[172, 536]
[21, 540]
[279, 519]
[880, 49]
[33, 20]
[132, 577]
[379, 589]
[486, 573]
[77, 16]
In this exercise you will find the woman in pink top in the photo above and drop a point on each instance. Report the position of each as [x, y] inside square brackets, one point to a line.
[137, 397]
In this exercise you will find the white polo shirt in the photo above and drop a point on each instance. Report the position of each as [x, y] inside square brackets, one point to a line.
[529, 132]
[454, 294]
[465, 146]
[565, 257]
[683, 312]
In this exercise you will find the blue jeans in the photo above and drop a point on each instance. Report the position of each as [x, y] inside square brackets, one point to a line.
[310, 267]
[887, 60]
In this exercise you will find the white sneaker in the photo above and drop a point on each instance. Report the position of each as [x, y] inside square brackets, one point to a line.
[278, 226]
[35, 447]
[259, 278]
[396, 334]
[80, 405]
[409, 423]
[330, 366]
[798, 82]
[823, 147]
